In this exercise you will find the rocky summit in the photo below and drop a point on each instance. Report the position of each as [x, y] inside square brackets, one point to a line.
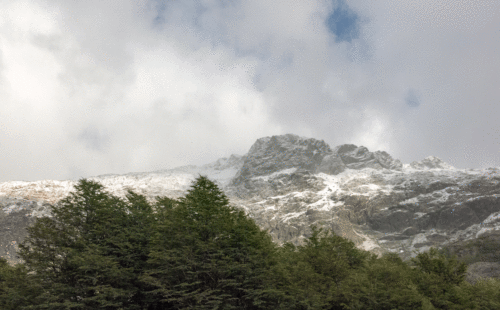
[286, 183]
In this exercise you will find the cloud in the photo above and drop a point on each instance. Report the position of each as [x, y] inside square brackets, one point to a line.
[95, 87]
[94, 139]
[412, 98]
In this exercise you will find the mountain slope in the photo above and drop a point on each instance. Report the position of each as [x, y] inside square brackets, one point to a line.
[287, 183]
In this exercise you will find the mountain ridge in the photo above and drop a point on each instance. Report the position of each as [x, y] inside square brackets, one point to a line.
[287, 183]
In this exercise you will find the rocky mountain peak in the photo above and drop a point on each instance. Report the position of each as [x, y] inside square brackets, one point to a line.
[272, 154]
[430, 162]
[286, 143]
[354, 157]
[234, 161]
[286, 183]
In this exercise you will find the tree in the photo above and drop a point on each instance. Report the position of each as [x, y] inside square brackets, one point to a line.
[91, 253]
[382, 284]
[17, 287]
[439, 278]
[313, 275]
[208, 255]
[102, 252]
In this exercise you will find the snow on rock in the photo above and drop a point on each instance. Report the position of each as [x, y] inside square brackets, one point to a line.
[286, 183]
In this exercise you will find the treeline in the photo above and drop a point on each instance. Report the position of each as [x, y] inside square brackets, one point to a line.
[99, 251]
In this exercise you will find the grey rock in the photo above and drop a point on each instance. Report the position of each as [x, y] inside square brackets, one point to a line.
[272, 154]
[287, 183]
[430, 162]
[482, 255]
[357, 157]
[410, 231]
[387, 162]
[482, 270]
[234, 161]
[331, 164]
[15, 216]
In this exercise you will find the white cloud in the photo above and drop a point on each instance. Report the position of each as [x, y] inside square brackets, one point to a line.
[97, 87]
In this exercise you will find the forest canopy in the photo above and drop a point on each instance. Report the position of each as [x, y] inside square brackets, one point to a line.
[99, 251]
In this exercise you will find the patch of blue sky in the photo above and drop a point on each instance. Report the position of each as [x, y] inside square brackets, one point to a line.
[344, 23]
[412, 98]
[160, 8]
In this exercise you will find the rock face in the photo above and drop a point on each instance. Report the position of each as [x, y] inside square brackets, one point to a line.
[286, 183]
[270, 155]
[13, 225]
[480, 270]
[482, 255]
[430, 162]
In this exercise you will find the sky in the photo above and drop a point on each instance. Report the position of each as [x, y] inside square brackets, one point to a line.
[115, 86]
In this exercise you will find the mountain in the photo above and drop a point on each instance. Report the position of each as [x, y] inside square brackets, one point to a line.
[287, 183]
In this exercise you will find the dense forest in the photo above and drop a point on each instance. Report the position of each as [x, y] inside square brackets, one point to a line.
[99, 251]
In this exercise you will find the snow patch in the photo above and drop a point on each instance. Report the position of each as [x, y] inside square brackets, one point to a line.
[275, 174]
[368, 244]
[292, 215]
[419, 238]
[492, 218]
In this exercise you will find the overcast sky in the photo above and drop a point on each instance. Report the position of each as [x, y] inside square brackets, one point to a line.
[96, 86]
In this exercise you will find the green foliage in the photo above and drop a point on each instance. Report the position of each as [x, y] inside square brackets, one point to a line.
[312, 275]
[439, 278]
[206, 254]
[91, 253]
[483, 249]
[383, 283]
[485, 293]
[102, 252]
[305, 289]
[450, 270]
[467, 259]
[17, 287]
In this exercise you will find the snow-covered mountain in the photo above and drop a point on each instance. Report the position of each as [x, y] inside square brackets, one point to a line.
[288, 182]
